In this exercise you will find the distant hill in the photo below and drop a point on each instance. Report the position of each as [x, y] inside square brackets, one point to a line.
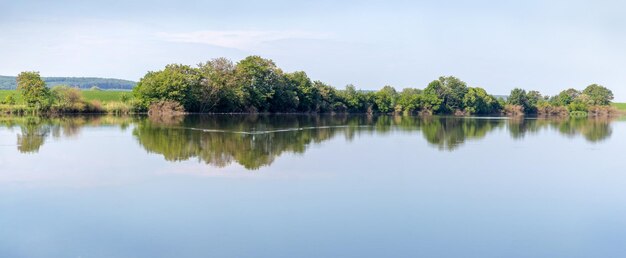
[8, 82]
[504, 97]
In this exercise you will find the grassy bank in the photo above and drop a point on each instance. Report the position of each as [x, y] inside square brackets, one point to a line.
[620, 106]
[5, 93]
[103, 96]
[113, 102]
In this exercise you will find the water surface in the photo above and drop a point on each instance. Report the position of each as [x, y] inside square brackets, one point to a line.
[311, 186]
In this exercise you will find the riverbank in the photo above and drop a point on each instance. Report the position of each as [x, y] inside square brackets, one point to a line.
[620, 106]
[121, 102]
[86, 102]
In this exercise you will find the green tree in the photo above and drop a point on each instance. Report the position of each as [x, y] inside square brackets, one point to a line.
[179, 83]
[410, 100]
[356, 101]
[519, 97]
[218, 90]
[448, 91]
[478, 101]
[328, 97]
[258, 77]
[565, 97]
[385, 99]
[455, 91]
[34, 90]
[307, 93]
[434, 95]
[598, 95]
[533, 97]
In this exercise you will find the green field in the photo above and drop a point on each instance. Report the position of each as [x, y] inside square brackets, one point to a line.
[620, 106]
[103, 96]
[5, 93]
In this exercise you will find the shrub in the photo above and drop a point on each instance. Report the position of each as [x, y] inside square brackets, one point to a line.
[94, 106]
[513, 110]
[9, 99]
[577, 106]
[125, 97]
[426, 112]
[118, 108]
[602, 111]
[16, 109]
[166, 107]
[459, 112]
[550, 110]
[578, 114]
[68, 99]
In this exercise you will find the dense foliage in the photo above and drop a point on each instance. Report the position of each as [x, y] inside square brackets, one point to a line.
[255, 84]
[593, 97]
[34, 90]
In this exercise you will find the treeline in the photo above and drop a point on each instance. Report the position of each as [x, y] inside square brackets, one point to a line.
[9, 83]
[255, 84]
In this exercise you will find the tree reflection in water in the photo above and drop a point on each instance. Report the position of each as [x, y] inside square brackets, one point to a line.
[254, 141]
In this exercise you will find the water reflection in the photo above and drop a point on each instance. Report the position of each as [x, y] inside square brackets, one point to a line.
[254, 141]
[593, 130]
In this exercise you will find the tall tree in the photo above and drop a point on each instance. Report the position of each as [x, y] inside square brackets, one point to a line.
[566, 97]
[179, 83]
[410, 99]
[307, 93]
[518, 97]
[434, 96]
[34, 90]
[257, 77]
[455, 91]
[385, 99]
[218, 89]
[598, 95]
[477, 101]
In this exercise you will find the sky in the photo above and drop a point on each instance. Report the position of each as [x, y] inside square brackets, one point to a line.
[498, 45]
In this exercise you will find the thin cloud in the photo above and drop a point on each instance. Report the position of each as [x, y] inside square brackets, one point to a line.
[238, 39]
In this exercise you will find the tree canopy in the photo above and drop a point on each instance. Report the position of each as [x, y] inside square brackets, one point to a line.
[33, 90]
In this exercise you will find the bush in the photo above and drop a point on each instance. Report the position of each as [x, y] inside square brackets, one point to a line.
[118, 108]
[578, 114]
[596, 111]
[577, 106]
[550, 110]
[166, 107]
[16, 109]
[9, 99]
[125, 97]
[94, 107]
[513, 110]
[68, 99]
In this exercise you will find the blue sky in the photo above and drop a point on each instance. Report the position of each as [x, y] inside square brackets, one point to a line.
[497, 45]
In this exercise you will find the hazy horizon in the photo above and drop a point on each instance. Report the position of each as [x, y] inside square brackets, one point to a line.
[498, 46]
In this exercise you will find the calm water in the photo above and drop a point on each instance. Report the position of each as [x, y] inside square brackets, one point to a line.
[312, 186]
